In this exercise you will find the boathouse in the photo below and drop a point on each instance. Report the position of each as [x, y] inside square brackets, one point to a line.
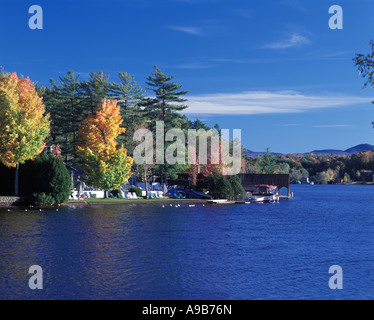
[280, 180]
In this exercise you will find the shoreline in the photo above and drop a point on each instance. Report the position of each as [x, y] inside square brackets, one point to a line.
[23, 201]
[132, 201]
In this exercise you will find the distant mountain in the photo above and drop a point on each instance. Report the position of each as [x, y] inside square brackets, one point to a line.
[360, 148]
[355, 149]
[329, 151]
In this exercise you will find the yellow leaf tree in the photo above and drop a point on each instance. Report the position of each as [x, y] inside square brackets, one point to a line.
[23, 123]
[106, 166]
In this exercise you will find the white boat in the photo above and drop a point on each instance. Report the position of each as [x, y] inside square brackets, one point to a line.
[256, 199]
[263, 193]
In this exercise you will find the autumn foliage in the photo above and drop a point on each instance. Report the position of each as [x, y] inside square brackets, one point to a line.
[106, 165]
[23, 123]
[212, 165]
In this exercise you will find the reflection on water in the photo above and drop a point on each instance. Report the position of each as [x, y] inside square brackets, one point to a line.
[256, 251]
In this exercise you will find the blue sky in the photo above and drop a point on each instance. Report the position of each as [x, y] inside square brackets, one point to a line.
[271, 68]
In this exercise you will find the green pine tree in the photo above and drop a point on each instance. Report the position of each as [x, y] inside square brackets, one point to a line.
[167, 100]
[65, 103]
[165, 106]
[96, 89]
[129, 96]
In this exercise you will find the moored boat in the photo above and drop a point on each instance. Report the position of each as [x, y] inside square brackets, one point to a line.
[263, 193]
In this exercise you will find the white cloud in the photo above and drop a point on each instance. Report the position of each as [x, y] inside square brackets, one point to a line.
[196, 31]
[294, 40]
[266, 102]
[193, 65]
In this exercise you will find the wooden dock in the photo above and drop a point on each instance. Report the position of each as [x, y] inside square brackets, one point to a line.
[219, 201]
[225, 201]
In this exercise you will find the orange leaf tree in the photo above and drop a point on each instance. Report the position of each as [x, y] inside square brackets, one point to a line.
[106, 166]
[23, 123]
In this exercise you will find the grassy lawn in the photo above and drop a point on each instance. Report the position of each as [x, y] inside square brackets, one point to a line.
[110, 200]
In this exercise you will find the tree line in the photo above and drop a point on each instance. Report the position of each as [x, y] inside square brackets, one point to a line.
[318, 168]
[90, 121]
[71, 99]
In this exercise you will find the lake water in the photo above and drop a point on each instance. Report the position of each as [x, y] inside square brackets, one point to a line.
[256, 251]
